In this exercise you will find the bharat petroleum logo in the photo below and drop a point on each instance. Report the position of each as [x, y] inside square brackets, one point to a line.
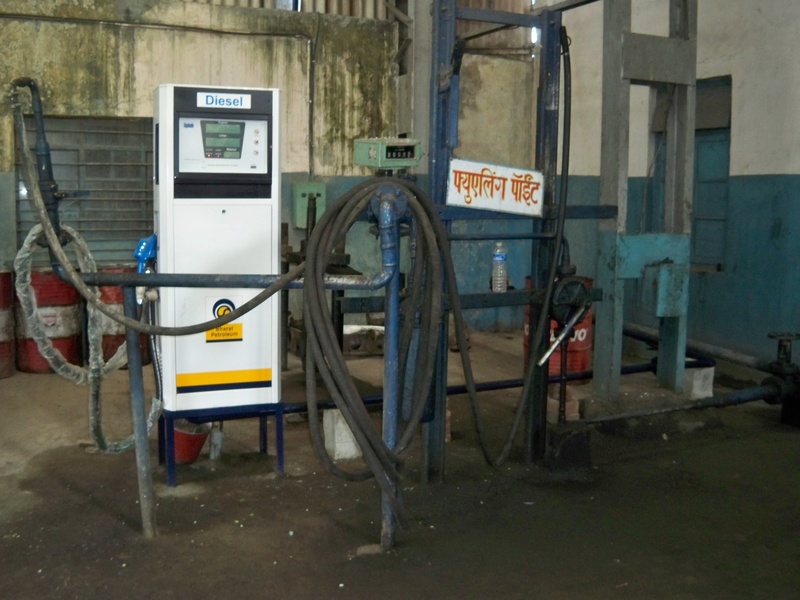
[223, 307]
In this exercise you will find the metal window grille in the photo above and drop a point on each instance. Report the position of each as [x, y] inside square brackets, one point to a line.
[106, 167]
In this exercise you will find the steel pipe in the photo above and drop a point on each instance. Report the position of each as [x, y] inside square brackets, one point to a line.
[147, 503]
[762, 392]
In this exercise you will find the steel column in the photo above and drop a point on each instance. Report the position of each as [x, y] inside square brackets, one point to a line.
[541, 254]
[679, 184]
[391, 384]
[147, 500]
[440, 152]
[655, 62]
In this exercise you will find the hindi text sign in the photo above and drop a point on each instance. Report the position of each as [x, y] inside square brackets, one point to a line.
[492, 187]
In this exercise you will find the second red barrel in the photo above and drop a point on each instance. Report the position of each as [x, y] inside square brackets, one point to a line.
[6, 324]
[59, 309]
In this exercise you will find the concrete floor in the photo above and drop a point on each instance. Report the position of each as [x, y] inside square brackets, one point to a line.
[694, 506]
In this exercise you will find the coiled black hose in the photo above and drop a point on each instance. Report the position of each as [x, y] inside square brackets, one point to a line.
[424, 298]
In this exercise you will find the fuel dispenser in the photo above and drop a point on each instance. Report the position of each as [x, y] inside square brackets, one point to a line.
[217, 211]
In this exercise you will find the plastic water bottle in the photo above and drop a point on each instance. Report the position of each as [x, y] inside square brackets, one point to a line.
[499, 268]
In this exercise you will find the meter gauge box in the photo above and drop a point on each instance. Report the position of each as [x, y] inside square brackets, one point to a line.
[388, 153]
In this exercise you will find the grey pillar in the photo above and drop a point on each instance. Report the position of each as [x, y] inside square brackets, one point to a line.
[633, 58]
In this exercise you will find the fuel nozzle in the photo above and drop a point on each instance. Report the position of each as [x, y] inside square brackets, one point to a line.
[145, 255]
[145, 251]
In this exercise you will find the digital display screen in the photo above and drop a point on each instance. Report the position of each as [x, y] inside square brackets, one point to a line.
[222, 139]
[221, 144]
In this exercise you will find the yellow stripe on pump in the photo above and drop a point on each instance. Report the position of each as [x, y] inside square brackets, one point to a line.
[223, 380]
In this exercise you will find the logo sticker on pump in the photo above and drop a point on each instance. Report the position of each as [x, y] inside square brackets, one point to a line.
[230, 332]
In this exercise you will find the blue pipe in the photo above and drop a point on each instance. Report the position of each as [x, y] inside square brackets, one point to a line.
[494, 235]
[762, 392]
[504, 384]
[391, 351]
[147, 500]
[332, 282]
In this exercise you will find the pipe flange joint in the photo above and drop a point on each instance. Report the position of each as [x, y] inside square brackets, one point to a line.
[391, 193]
[788, 387]
[784, 335]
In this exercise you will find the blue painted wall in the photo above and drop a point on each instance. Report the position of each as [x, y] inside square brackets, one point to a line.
[473, 260]
[758, 290]
[473, 265]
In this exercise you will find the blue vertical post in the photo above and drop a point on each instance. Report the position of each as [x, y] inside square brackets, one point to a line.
[391, 353]
[546, 162]
[435, 430]
[147, 502]
[279, 437]
[443, 39]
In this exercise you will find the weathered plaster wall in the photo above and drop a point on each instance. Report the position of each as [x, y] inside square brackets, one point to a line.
[496, 126]
[97, 58]
[757, 45]
[496, 114]
[92, 60]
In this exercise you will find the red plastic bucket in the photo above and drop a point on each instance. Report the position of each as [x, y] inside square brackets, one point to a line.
[60, 310]
[188, 445]
[6, 325]
[113, 332]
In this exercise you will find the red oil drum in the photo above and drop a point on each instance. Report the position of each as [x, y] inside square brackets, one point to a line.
[114, 332]
[579, 351]
[60, 310]
[6, 324]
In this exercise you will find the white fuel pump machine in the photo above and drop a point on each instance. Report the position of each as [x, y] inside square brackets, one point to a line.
[217, 210]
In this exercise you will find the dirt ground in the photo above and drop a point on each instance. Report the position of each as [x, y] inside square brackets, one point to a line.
[698, 506]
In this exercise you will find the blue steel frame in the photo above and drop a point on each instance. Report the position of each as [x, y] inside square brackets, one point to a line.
[445, 92]
[166, 431]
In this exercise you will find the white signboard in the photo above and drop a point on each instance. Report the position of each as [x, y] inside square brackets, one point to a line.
[491, 187]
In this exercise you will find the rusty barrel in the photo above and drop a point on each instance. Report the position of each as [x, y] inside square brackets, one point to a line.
[6, 324]
[59, 308]
[113, 332]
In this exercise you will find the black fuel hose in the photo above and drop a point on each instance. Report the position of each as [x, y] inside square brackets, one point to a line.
[543, 321]
[424, 296]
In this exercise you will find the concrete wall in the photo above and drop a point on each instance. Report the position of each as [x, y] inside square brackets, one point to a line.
[496, 126]
[757, 46]
[98, 58]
